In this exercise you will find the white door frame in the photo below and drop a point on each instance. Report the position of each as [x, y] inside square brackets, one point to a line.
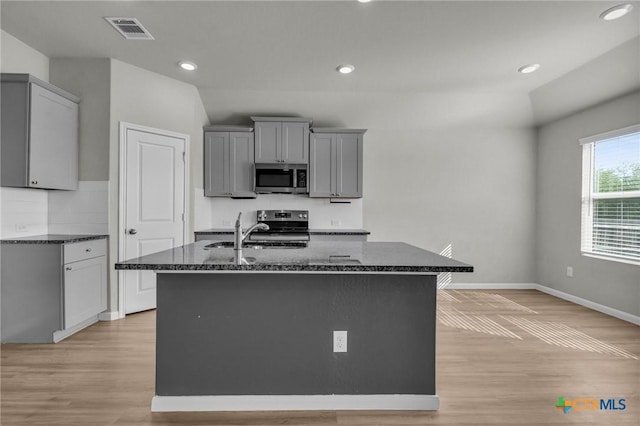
[122, 185]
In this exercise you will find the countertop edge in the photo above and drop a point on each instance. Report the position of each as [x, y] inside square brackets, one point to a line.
[58, 239]
[295, 268]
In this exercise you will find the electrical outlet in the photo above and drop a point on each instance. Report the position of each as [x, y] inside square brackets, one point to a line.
[340, 341]
[336, 222]
[21, 227]
[570, 271]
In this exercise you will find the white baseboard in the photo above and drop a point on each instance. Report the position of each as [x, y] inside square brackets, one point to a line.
[625, 316]
[491, 286]
[63, 334]
[109, 316]
[294, 402]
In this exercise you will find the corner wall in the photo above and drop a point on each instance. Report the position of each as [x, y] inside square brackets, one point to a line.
[149, 99]
[613, 284]
[23, 211]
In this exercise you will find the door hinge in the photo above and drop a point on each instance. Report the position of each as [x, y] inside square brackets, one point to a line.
[183, 217]
[184, 156]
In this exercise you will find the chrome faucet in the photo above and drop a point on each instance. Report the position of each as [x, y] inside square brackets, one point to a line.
[241, 236]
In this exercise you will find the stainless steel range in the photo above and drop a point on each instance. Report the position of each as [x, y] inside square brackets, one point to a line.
[287, 226]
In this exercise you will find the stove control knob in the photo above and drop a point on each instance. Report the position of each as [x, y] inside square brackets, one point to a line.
[300, 215]
[304, 216]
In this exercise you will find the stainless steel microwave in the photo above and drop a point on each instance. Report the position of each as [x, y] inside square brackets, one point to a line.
[281, 178]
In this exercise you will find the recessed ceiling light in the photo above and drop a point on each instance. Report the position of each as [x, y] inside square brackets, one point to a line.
[364, 1]
[187, 66]
[528, 69]
[345, 69]
[616, 12]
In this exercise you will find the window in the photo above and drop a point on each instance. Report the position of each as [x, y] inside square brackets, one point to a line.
[611, 195]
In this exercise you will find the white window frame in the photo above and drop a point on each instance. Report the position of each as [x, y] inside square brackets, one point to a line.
[588, 196]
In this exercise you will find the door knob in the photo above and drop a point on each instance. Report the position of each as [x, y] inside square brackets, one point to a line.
[132, 231]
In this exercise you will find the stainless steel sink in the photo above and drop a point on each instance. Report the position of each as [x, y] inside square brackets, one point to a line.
[220, 244]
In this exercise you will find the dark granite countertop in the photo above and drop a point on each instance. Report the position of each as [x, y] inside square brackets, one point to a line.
[317, 257]
[51, 239]
[224, 231]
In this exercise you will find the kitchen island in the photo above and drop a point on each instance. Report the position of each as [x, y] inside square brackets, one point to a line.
[260, 335]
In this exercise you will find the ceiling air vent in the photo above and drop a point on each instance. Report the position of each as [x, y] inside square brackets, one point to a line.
[130, 28]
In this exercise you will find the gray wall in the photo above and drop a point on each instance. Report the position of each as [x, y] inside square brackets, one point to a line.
[613, 284]
[90, 80]
[145, 98]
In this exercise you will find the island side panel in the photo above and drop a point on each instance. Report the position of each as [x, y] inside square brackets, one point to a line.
[272, 334]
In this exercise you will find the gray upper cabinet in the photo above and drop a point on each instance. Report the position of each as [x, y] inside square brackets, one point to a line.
[39, 134]
[229, 162]
[282, 140]
[335, 163]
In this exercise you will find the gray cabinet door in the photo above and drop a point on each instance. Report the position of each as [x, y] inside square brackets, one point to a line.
[321, 165]
[295, 143]
[85, 290]
[241, 164]
[335, 165]
[229, 164]
[268, 136]
[216, 164]
[53, 149]
[282, 142]
[39, 134]
[349, 165]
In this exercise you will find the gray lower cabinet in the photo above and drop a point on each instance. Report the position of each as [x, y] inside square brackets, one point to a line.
[229, 162]
[39, 134]
[335, 163]
[282, 140]
[50, 291]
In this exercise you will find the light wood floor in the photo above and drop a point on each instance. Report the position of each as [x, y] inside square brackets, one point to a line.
[503, 358]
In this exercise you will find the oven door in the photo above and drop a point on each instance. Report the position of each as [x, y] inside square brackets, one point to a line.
[271, 179]
[299, 239]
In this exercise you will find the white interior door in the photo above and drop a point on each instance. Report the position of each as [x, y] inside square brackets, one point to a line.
[154, 207]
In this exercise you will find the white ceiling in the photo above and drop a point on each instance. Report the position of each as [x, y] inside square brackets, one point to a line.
[396, 46]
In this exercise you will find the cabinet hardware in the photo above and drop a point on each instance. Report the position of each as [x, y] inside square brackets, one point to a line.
[88, 250]
[133, 231]
[34, 182]
[68, 268]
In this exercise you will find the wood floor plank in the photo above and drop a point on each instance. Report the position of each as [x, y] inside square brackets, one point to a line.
[104, 375]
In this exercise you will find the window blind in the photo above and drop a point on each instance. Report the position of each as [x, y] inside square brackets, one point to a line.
[611, 194]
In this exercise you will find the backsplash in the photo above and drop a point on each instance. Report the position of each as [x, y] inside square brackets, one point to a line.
[23, 211]
[26, 212]
[222, 212]
[85, 211]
